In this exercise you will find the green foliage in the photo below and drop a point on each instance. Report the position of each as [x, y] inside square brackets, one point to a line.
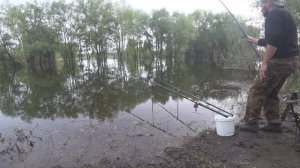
[294, 7]
[218, 39]
[5, 45]
[28, 26]
[96, 28]
[182, 32]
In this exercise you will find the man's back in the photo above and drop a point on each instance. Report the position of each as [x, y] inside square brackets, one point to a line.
[281, 32]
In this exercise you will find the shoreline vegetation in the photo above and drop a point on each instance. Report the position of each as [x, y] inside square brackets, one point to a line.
[43, 35]
[37, 35]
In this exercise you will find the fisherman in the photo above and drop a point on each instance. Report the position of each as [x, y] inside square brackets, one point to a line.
[279, 61]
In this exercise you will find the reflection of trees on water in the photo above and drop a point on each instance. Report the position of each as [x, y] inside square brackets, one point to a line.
[103, 93]
[205, 77]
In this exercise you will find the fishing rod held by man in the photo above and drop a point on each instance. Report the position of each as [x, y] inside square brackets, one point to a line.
[240, 27]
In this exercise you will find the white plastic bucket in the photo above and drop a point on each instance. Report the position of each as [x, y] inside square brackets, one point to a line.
[224, 126]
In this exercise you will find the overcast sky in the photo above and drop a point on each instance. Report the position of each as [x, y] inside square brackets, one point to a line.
[240, 7]
[237, 7]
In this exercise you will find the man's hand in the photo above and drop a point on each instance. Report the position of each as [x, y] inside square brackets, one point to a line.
[262, 71]
[270, 51]
[252, 39]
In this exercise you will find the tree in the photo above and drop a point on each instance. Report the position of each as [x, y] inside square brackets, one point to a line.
[294, 7]
[93, 29]
[160, 25]
[28, 25]
[183, 33]
[62, 21]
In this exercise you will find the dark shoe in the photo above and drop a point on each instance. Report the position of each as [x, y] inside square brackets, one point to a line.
[248, 127]
[272, 128]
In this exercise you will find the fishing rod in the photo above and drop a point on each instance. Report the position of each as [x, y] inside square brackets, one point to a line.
[176, 118]
[240, 27]
[188, 98]
[154, 126]
[195, 97]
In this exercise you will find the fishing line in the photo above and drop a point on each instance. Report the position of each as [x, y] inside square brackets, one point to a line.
[154, 126]
[176, 117]
[240, 27]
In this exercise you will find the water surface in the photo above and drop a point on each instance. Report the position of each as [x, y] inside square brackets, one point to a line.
[88, 116]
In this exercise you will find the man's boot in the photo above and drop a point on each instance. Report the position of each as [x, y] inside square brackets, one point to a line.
[248, 127]
[271, 127]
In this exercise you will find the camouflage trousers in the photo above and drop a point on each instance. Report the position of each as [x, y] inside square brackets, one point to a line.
[264, 93]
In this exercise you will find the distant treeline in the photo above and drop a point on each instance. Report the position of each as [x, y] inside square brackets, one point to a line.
[39, 34]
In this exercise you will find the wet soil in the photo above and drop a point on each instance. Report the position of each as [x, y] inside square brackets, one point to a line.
[243, 150]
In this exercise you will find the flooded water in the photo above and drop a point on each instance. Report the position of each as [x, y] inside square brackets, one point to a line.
[87, 117]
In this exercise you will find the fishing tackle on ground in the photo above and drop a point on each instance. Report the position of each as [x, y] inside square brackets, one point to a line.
[188, 98]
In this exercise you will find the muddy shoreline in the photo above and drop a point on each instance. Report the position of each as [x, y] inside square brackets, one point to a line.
[244, 149]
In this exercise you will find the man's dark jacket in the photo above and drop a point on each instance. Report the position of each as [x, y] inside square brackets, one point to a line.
[281, 32]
